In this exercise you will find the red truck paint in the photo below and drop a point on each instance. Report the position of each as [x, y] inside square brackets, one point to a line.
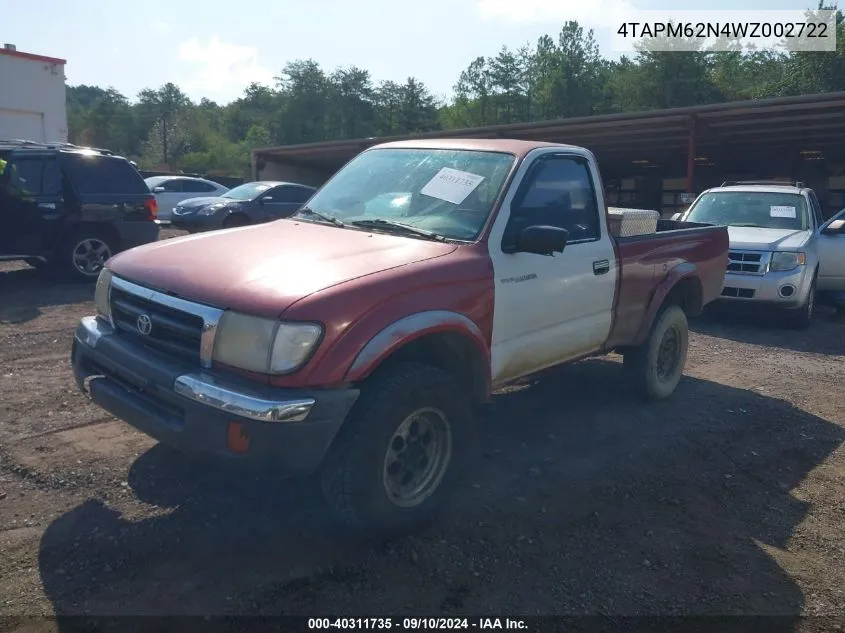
[358, 283]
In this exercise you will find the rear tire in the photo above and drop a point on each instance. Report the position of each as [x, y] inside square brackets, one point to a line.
[802, 318]
[655, 367]
[238, 219]
[398, 456]
[83, 254]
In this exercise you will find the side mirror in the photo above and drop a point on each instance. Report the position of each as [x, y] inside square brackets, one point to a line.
[676, 216]
[158, 189]
[837, 227]
[542, 240]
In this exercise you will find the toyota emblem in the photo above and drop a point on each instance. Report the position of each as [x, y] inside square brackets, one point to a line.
[144, 324]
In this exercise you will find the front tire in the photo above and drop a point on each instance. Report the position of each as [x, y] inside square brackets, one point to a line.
[655, 367]
[802, 318]
[398, 456]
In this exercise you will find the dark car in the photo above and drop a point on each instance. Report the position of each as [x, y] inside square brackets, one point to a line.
[70, 209]
[250, 203]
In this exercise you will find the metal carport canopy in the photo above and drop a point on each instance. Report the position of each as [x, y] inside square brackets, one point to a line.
[815, 122]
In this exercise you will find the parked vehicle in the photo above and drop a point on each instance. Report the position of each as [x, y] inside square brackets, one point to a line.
[171, 190]
[71, 208]
[360, 343]
[250, 203]
[782, 252]
[832, 261]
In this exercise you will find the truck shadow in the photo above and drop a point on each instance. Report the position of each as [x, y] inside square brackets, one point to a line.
[25, 291]
[825, 336]
[581, 501]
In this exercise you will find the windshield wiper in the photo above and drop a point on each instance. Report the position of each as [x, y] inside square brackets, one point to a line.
[405, 228]
[328, 218]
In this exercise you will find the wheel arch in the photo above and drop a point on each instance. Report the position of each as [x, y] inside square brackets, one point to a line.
[682, 287]
[444, 339]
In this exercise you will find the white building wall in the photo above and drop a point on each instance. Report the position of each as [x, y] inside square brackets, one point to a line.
[32, 98]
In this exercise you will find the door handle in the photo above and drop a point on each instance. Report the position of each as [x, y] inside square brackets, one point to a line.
[601, 267]
[51, 206]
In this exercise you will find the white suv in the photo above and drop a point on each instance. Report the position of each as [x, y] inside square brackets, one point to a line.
[781, 250]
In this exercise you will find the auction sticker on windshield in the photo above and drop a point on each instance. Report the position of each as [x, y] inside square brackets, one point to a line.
[451, 185]
[782, 212]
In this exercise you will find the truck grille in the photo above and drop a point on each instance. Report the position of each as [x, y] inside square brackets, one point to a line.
[171, 325]
[747, 262]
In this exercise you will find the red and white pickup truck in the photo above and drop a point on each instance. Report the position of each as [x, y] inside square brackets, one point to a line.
[356, 336]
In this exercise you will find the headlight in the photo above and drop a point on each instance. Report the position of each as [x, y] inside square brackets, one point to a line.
[212, 208]
[262, 345]
[785, 260]
[101, 294]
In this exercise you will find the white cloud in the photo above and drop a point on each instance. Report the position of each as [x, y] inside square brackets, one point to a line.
[589, 13]
[221, 70]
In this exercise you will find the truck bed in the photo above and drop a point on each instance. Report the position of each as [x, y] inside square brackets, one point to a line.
[645, 261]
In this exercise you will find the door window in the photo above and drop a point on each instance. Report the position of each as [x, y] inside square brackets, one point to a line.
[276, 194]
[52, 182]
[197, 186]
[25, 177]
[104, 175]
[172, 186]
[558, 192]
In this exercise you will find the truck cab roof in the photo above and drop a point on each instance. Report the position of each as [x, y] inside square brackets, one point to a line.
[511, 146]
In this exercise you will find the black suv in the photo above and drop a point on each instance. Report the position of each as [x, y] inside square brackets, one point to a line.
[71, 208]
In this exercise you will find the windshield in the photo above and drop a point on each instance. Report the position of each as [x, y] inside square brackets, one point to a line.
[447, 192]
[759, 209]
[249, 191]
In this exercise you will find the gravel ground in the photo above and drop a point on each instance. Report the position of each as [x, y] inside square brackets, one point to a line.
[727, 499]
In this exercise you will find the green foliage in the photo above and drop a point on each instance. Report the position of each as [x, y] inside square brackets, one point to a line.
[557, 77]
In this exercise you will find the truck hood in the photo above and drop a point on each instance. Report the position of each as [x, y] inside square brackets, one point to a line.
[754, 239]
[266, 268]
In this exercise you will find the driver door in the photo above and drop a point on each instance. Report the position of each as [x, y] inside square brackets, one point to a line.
[550, 309]
[281, 202]
[31, 203]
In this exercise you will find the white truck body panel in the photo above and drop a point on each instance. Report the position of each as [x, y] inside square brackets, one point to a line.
[536, 324]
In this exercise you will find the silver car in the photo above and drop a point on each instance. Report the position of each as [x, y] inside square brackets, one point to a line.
[171, 190]
[782, 252]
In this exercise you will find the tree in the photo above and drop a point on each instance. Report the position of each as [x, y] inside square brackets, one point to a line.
[306, 100]
[164, 111]
[562, 76]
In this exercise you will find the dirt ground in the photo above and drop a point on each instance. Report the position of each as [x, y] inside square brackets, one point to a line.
[727, 499]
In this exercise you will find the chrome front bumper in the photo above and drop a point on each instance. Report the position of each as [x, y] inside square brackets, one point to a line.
[211, 391]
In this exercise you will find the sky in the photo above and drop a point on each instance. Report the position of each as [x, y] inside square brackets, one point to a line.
[214, 49]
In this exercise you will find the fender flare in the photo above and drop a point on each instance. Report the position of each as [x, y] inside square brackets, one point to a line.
[409, 328]
[686, 270]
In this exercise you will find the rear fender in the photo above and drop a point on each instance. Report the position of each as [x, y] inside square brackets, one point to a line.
[686, 270]
[409, 328]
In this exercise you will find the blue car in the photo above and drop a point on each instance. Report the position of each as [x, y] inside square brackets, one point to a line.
[250, 203]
